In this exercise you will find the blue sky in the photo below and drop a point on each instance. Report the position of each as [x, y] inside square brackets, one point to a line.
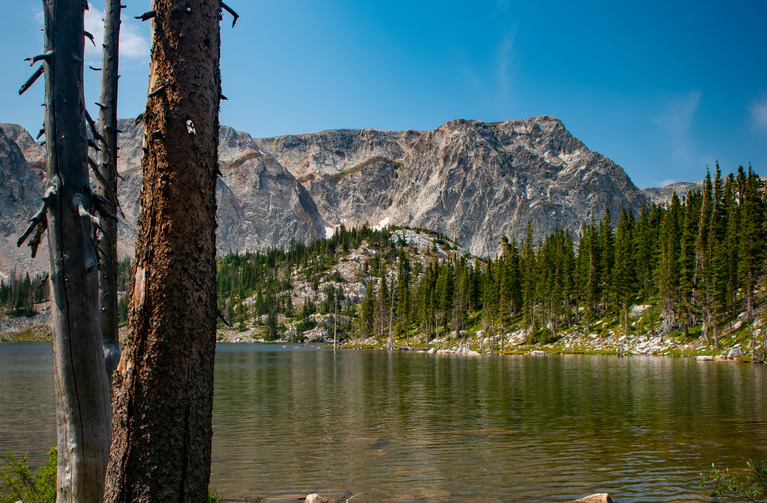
[662, 88]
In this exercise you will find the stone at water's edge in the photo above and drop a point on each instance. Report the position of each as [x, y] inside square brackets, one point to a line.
[735, 353]
[595, 498]
[315, 498]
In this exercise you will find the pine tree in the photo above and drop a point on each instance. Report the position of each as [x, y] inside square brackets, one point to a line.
[505, 280]
[624, 273]
[592, 271]
[382, 309]
[368, 310]
[687, 312]
[528, 279]
[404, 277]
[446, 293]
[667, 273]
[490, 298]
[607, 244]
[643, 251]
[460, 298]
[703, 255]
[731, 245]
[752, 240]
[717, 281]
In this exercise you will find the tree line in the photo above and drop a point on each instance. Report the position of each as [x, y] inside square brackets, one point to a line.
[699, 257]
[18, 295]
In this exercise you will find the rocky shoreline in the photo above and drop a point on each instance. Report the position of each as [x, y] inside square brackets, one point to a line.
[733, 349]
[26, 329]
[729, 348]
[317, 498]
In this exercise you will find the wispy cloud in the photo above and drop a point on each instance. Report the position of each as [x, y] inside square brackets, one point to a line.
[505, 60]
[94, 24]
[133, 43]
[667, 181]
[676, 123]
[758, 109]
[37, 15]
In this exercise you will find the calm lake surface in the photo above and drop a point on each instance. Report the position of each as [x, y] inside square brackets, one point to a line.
[412, 427]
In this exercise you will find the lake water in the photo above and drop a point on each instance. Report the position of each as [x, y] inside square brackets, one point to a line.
[412, 427]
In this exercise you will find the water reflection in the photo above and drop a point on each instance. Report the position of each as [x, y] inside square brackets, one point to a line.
[417, 427]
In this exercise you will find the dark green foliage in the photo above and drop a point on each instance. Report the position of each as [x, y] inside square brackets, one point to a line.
[19, 483]
[752, 237]
[18, 296]
[123, 274]
[748, 486]
[122, 309]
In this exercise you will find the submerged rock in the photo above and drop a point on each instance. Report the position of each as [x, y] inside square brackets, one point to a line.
[595, 498]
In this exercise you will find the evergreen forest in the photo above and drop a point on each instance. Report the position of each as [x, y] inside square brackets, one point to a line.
[698, 261]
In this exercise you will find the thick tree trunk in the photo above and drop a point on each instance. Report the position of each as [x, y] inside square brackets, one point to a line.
[107, 167]
[82, 392]
[163, 386]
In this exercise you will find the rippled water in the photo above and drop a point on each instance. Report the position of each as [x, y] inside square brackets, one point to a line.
[433, 428]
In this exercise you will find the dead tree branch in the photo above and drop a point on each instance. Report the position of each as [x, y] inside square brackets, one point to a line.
[31, 80]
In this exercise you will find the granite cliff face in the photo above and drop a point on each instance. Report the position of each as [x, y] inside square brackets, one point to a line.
[470, 180]
[20, 190]
[261, 206]
[663, 195]
[473, 181]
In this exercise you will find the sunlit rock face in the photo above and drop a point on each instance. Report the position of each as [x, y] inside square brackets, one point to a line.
[473, 181]
[21, 162]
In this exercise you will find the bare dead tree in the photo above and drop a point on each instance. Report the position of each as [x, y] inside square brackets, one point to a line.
[163, 386]
[106, 174]
[68, 213]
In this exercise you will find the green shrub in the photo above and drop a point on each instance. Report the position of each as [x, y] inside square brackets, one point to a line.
[213, 496]
[19, 483]
[749, 486]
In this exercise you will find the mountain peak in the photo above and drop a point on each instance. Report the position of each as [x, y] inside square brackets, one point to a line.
[469, 180]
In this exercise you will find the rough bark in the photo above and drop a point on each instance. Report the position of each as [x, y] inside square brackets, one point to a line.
[107, 166]
[82, 394]
[163, 386]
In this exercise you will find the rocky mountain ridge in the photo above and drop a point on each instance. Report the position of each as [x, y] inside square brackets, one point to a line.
[21, 160]
[469, 180]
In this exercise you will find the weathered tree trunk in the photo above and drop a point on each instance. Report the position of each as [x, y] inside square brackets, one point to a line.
[107, 167]
[82, 390]
[163, 386]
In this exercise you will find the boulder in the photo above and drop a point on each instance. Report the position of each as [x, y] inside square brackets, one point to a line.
[315, 498]
[735, 353]
[595, 498]
[637, 310]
